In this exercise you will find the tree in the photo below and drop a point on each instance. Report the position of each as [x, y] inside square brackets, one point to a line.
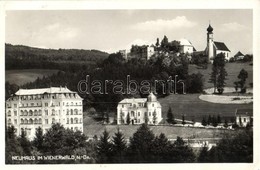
[170, 116]
[38, 139]
[243, 75]
[218, 74]
[164, 43]
[12, 146]
[160, 148]
[209, 120]
[25, 144]
[183, 120]
[226, 123]
[157, 42]
[104, 149]
[218, 119]
[238, 148]
[204, 122]
[140, 145]
[214, 121]
[203, 155]
[181, 152]
[119, 147]
[61, 141]
[128, 119]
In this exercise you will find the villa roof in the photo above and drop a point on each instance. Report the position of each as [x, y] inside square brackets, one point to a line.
[134, 100]
[221, 46]
[43, 90]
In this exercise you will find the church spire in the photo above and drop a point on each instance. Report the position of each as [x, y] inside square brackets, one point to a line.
[209, 29]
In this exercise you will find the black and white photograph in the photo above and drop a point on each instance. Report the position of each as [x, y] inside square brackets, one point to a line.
[129, 86]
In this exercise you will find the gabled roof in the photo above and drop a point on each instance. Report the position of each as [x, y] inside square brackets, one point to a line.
[239, 54]
[43, 90]
[244, 112]
[185, 42]
[221, 46]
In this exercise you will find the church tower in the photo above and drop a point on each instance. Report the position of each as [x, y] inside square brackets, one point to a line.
[210, 42]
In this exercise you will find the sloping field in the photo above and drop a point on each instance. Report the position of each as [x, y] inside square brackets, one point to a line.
[232, 69]
[21, 77]
[193, 108]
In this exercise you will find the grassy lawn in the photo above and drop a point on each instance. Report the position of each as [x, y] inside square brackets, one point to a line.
[170, 131]
[21, 77]
[193, 108]
[232, 69]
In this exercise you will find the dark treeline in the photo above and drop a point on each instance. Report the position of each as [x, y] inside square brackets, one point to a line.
[30, 57]
[143, 147]
[116, 68]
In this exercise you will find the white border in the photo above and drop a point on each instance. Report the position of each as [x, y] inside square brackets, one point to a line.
[145, 4]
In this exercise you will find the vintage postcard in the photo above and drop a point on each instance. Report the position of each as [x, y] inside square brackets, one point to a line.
[116, 85]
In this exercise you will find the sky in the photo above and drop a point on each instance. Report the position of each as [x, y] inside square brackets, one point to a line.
[113, 30]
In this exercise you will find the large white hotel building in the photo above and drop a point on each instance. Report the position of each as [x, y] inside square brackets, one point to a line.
[29, 109]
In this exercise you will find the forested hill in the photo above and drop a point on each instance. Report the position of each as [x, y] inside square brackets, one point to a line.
[30, 57]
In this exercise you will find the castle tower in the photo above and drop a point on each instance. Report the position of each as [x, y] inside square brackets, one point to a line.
[210, 42]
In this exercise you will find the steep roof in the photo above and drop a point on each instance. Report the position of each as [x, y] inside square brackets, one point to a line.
[239, 54]
[244, 112]
[43, 90]
[185, 42]
[221, 46]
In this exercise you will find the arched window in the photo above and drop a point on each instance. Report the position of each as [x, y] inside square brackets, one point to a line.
[36, 121]
[40, 121]
[30, 112]
[68, 120]
[71, 111]
[22, 122]
[21, 113]
[53, 120]
[53, 112]
[9, 121]
[71, 120]
[75, 111]
[25, 113]
[9, 113]
[30, 121]
[40, 112]
[76, 120]
[35, 113]
[68, 111]
[25, 121]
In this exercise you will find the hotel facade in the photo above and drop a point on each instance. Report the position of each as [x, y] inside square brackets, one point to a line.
[29, 109]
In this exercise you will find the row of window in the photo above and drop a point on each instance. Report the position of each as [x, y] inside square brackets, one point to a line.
[132, 114]
[45, 96]
[39, 112]
[45, 104]
[39, 121]
[135, 105]
[28, 131]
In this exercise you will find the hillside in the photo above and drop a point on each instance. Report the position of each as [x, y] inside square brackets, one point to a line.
[232, 69]
[30, 57]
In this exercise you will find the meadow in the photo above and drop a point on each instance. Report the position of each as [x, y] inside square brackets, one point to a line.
[232, 69]
[21, 77]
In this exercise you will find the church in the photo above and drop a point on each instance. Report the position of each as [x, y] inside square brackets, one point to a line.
[214, 48]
